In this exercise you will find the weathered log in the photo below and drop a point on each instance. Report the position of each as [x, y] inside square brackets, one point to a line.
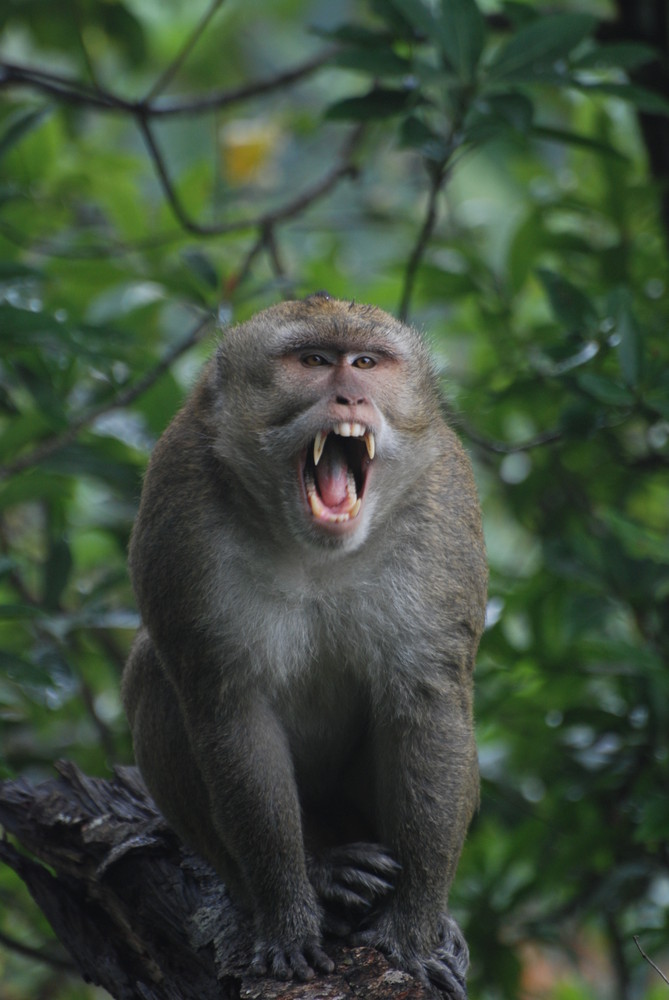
[140, 914]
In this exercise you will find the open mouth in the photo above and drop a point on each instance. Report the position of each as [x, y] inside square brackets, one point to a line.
[335, 472]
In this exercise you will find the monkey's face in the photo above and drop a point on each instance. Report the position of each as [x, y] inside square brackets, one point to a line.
[328, 400]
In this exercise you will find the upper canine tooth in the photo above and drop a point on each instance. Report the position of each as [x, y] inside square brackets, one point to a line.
[371, 446]
[319, 444]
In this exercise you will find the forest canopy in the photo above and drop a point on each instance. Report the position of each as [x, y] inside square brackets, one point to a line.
[496, 173]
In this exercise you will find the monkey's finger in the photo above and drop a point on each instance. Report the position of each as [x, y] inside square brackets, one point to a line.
[271, 960]
[373, 885]
[341, 895]
[441, 975]
[372, 857]
[318, 958]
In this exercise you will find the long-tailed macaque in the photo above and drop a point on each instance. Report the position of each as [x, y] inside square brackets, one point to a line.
[309, 566]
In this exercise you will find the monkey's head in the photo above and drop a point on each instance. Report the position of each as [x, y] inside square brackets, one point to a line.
[319, 407]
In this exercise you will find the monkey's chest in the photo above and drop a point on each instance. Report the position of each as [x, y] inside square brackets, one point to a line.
[325, 720]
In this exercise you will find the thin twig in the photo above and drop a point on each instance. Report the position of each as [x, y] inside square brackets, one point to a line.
[421, 243]
[502, 448]
[53, 444]
[649, 960]
[169, 190]
[168, 75]
[343, 168]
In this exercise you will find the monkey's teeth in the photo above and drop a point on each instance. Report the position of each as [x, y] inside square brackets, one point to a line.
[348, 429]
[319, 444]
[371, 445]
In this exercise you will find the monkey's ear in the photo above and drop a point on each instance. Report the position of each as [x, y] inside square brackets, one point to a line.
[318, 295]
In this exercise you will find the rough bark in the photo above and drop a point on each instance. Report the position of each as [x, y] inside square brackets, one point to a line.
[141, 915]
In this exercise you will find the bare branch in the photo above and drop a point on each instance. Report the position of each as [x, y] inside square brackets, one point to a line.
[649, 960]
[53, 444]
[502, 448]
[343, 168]
[420, 246]
[168, 75]
[71, 91]
[169, 191]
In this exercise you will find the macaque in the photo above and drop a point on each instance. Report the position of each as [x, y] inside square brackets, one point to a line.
[310, 570]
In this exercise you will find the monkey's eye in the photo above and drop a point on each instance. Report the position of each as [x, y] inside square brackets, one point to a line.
[364, 362]
[314, 360]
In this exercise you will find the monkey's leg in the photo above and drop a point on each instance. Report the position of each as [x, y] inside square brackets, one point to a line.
[245, 759]
[239, 810]
[428, 789]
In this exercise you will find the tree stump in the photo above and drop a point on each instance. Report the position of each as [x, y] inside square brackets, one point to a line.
[140, 914]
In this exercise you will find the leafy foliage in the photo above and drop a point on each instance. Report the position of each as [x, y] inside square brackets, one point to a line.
[480, 171]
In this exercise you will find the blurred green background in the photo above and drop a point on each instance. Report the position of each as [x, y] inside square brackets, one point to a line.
[498, 174]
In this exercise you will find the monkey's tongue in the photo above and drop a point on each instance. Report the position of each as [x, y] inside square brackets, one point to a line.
[335, 481]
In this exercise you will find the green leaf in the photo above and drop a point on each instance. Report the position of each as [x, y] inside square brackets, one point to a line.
[605, 390]
[19, 125]
[630, 343]
[417, 14]
[12, 269]
[640, 97]
[354, 34]
[456, 26]
[377, 104]
[373, 60]
[570, 306]
[415, 134]
[540, 44]
[637, 540]
[461, 37]
[496, 114]
[57, 569]
[567, 138]
[617, 55]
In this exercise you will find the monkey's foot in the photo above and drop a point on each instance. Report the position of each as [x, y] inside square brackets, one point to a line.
[290, 960]
[349, 881]
[445, 967]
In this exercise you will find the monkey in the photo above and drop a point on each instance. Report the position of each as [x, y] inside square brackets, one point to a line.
[309, 566]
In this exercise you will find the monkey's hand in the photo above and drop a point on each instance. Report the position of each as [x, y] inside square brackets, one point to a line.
[444, 967]
[349, 881]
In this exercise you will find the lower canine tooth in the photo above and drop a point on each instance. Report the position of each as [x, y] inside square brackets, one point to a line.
[371, 447]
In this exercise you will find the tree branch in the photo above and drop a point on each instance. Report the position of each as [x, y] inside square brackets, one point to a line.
[168, 75]
[436, 182]
[49, 446]
[649, 960]
[143, 916]
[71, 91]
[343, 168]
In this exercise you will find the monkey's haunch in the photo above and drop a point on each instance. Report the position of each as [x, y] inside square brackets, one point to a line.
[309, 565]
